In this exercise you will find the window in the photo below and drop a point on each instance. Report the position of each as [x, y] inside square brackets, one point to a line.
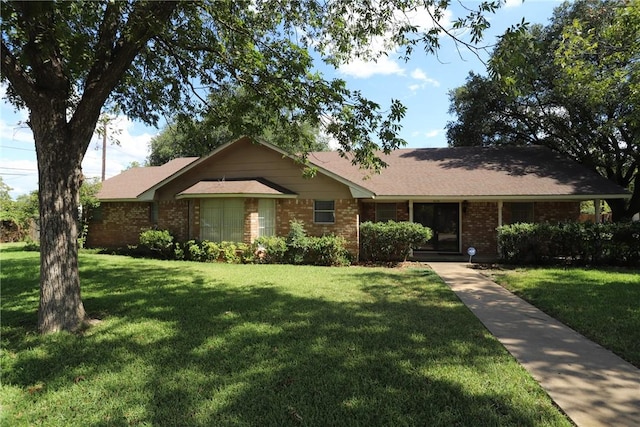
[521, 212]
[324, 211]
[266, 217]
[385, 212]
[96, 213]
[153, 212]
[222, 220]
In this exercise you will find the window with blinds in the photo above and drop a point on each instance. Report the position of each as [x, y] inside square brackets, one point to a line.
[521, 212]
[386, 212]
[266, 217]
[222, 220]
[324, 211]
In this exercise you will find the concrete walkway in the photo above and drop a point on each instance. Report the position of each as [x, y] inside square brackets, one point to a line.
[593, 386]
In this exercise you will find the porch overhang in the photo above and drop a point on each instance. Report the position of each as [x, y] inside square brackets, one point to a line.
[248, 188]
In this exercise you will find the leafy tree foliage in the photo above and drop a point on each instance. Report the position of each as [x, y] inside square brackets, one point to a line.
[67, 61]
[22, 212]
[573, 86]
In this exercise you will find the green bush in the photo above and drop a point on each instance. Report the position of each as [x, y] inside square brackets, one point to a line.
[270, 250]
[297, 243]
[570, 243]
[391, 241]
[201, 251]
[325, 250]
[156, 244]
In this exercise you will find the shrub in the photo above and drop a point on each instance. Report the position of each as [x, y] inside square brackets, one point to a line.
[201, 251]
[325, 250]
[234, 253]
[297, 243]
[391, 241]
[156, 243]
[570, 243]
[269, 250]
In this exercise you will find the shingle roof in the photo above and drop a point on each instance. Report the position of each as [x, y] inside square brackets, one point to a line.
[436, 173]
[133, 182]
[232, 187]
[473, 172]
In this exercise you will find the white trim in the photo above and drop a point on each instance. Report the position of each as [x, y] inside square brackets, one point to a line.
[235, 195]
[493, 198]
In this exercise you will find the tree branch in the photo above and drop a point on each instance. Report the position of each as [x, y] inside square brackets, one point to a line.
[20, 81]
[144, 22]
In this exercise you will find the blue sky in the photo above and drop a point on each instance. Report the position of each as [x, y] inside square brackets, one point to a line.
[422, 84]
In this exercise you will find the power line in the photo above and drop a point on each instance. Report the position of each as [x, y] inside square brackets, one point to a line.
[19, 169]
[17, 148]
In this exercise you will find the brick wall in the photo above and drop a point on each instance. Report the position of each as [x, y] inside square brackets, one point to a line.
[478, 228]
[251, 220]
[480, 221]
[173, 215]
[346, 224]
[556, 211]
[368, 211]
[119, 224]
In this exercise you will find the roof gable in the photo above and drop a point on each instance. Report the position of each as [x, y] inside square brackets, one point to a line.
[129, 184]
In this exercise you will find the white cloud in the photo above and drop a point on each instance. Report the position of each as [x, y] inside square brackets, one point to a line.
[18, 164]
[433, 133]
[363, 69]
[513, 3]
[422, 77]
[133, 147]
[381, 45]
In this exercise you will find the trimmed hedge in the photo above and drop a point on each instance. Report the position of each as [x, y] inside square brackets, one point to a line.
[391, 241]
[571, 243]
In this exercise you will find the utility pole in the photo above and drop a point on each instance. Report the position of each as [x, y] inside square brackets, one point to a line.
[105, 123]
[104, 149]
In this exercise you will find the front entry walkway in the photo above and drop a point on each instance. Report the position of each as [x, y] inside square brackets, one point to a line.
[593, 386]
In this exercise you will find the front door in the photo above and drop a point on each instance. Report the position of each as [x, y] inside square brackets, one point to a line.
[444, 220]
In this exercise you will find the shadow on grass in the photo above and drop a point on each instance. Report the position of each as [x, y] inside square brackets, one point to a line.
[601, 304]
[197, 349]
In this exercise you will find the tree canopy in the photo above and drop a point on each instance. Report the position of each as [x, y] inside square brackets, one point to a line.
[66, 61]
[573, 85]
[192, 137]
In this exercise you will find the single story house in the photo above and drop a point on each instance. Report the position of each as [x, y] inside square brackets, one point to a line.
[246, 189]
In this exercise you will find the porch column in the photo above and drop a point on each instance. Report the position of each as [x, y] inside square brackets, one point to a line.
[411, 220]
[597, 207]
[410, 210]
[500, 213]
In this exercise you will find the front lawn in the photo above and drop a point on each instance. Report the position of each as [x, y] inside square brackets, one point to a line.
[187, 344]
[603, 305]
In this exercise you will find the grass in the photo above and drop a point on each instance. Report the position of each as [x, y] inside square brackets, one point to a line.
[603, 305]
[243, 345]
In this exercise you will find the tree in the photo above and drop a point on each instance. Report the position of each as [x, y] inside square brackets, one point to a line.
[66, 61]
[196, 139]
[5, 197]
[88, 203]
[572, 86]
[23, 212]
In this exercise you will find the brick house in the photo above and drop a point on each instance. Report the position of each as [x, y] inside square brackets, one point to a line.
[243, 190]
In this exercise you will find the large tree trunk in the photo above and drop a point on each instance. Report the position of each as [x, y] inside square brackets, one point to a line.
[59, 165]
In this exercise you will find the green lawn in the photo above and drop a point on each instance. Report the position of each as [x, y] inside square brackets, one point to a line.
[188, 344]
[603, 305]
